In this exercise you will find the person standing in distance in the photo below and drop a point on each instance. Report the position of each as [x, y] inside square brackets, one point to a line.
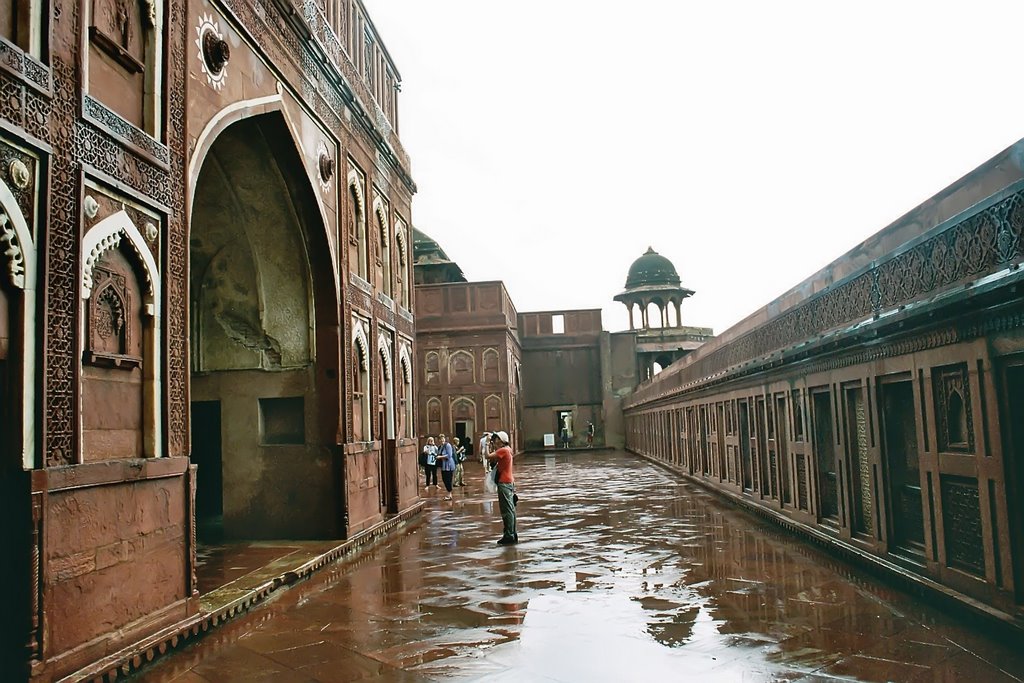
[446, 459]
[501, 456]
[460, 457]
[484, 441]
[430, 463]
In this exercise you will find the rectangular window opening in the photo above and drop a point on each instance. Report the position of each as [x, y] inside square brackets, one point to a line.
[558, 324]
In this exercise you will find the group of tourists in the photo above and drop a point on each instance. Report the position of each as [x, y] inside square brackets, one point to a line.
[496, 458]
[446, 456]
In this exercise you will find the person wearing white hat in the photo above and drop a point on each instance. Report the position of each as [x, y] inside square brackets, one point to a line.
[501, 456]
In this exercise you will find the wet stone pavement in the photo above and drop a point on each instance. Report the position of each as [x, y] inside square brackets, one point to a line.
[623, 573]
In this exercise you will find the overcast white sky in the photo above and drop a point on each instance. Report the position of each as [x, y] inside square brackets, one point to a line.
[750, 142]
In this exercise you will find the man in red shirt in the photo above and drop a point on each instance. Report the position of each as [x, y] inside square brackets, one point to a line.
[501, 456]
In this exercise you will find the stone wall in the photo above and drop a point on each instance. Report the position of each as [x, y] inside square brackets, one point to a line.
[873, 407]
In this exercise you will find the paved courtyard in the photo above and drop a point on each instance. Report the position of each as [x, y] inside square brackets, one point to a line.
[623, 573]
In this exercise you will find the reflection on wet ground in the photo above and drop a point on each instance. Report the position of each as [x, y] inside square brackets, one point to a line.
[623, 573]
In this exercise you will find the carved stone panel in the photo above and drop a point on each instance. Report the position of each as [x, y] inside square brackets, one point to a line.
[954, 419]
[112, 381]
[109, 320]
[961, 511]
[117, 36]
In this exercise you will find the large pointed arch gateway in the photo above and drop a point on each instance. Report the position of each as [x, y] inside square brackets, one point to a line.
[264, 342]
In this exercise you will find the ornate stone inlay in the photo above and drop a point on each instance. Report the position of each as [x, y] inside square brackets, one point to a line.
[214, 51]
[114, 124]
[152, 232]
[12, 252]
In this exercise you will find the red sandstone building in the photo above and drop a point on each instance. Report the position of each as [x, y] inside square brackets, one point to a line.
[877, 407]
[577, 375]
[468, 353]
[204, 248]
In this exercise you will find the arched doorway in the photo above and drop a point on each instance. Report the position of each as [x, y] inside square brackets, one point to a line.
[264, 342]
[19, 535]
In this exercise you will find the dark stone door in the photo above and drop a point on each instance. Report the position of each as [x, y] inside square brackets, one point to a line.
[825, 448]
[206, 454]
[1015, 471]
[903, 463]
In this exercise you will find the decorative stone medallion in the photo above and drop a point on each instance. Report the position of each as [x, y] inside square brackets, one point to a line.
[19, 174]
[214, 51]
[91, 206]
[325, 164]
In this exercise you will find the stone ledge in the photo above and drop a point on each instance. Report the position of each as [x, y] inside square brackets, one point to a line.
[226, 603]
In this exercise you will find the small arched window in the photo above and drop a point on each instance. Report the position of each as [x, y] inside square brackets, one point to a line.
[491, 370]
[432, 368]
[956, 419]
[433, 416]
[361, 390]
[460, 368]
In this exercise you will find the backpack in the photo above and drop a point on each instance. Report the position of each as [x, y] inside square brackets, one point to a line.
[460, 455]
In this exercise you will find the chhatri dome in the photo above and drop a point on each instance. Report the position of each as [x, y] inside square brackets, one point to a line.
[653, 279]
[652, 269]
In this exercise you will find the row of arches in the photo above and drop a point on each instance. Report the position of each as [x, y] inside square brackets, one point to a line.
[397, 396]
[462, 367]
[464, 409]
[655, 314]
[395, 285]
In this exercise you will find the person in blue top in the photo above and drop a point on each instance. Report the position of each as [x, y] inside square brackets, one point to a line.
[446, 459]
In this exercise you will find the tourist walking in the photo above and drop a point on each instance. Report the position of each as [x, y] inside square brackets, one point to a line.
[484, 441]
[460, 457]
[429, 460]
[502, 459]
[590, 435]
[446, 460]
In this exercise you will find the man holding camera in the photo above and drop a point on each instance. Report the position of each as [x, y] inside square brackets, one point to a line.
[501, 456]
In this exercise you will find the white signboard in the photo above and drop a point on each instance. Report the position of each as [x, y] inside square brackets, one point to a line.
[549, 440]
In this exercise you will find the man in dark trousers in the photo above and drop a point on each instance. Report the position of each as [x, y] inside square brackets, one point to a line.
[501, 456]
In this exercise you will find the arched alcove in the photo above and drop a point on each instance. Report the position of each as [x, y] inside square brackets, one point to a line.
[262, 298]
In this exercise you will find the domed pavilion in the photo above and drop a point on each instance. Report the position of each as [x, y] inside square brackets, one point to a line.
[653, 279]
